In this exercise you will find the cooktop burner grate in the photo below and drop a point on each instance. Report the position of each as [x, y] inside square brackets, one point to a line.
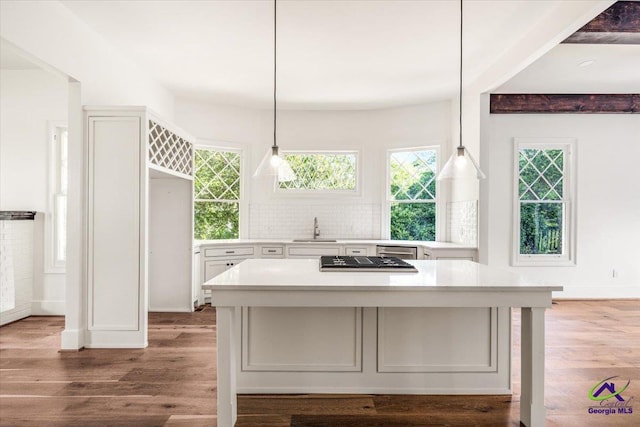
[365, 263]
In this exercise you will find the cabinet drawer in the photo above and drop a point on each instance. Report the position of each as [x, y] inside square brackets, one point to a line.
[313, 251]
[272, 251]
[355, 251]
[229, 251]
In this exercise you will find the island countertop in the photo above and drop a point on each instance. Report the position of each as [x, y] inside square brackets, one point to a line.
[304, 274]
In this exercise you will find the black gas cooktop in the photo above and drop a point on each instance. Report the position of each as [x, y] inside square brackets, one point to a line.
[365, 263]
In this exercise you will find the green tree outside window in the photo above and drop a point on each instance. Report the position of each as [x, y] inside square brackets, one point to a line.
[216, 189]
[322, 171]
[413, 194]
[542, 207]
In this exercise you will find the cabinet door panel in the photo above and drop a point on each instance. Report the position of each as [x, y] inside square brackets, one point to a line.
[321, 339]
[213, 268]
[114, 228]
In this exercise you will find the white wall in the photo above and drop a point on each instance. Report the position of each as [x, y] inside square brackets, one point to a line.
[608, 201]
[98, 74]
[30, 100]
[371, 132]
[51, 33]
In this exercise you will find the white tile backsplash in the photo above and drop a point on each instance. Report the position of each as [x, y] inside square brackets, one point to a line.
[295, 220]
[16, 265]
[462, 222]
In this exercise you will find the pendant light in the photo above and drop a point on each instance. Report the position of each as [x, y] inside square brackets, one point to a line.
[461, 164]
[272, 164]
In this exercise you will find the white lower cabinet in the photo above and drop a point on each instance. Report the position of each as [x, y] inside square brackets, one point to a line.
[213, 268]
[218, 259]
[467, 254]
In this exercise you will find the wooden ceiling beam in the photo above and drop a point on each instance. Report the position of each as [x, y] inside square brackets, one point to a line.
[619, 24]
[564, 103]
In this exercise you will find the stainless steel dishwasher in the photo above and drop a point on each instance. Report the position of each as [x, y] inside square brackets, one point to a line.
[402, 252]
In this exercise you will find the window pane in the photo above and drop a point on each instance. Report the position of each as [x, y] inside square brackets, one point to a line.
[63, 161]
[541, 228]
[322, 171]
[217, 175]
[413, 175]
[60, 230]
[216, 187]
[541, 174]
[216, 220]
[413, 221]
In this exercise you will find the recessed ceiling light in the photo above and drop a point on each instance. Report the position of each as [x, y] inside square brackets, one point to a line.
[587, 63]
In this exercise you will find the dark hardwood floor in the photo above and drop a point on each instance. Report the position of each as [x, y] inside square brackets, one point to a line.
[173, 381]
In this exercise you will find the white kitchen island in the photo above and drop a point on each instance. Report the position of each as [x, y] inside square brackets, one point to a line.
[285, 327]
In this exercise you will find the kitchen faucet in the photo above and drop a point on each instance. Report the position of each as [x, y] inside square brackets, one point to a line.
[316, 229]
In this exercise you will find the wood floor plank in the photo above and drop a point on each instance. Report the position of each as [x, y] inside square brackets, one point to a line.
[306, 404]
[263, 420]
[191, 421]
[443, 420]
[113, 420]
[421, 404]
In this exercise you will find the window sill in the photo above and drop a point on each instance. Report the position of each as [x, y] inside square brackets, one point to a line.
[547, 262]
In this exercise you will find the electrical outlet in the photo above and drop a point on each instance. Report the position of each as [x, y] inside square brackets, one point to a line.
[614, 273]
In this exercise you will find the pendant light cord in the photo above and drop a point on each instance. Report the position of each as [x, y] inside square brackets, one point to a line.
[275, 6]
[460, 87]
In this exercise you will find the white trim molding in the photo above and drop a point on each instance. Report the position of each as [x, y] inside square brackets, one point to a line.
[440, 226]
[567, 257]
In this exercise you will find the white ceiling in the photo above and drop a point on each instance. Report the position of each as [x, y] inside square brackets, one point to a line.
[331, 54]
[567, 68]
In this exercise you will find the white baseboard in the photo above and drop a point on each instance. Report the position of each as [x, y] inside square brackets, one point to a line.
[72, 339]
[47, 308]
[170, 310]
[16, 313]
[115, 339]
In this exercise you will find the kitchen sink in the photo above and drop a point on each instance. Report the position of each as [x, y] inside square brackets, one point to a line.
[314, 240]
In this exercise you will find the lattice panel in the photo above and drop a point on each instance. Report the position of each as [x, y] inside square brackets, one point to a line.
[168, 150]
[327, 171]
[541, 174]
[217, 175]
[413, 175]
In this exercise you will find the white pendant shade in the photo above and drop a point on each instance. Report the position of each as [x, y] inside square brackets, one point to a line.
[274, 165]
[461, 165]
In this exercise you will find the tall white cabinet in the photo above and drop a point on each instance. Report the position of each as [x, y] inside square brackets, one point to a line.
[140, 223]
